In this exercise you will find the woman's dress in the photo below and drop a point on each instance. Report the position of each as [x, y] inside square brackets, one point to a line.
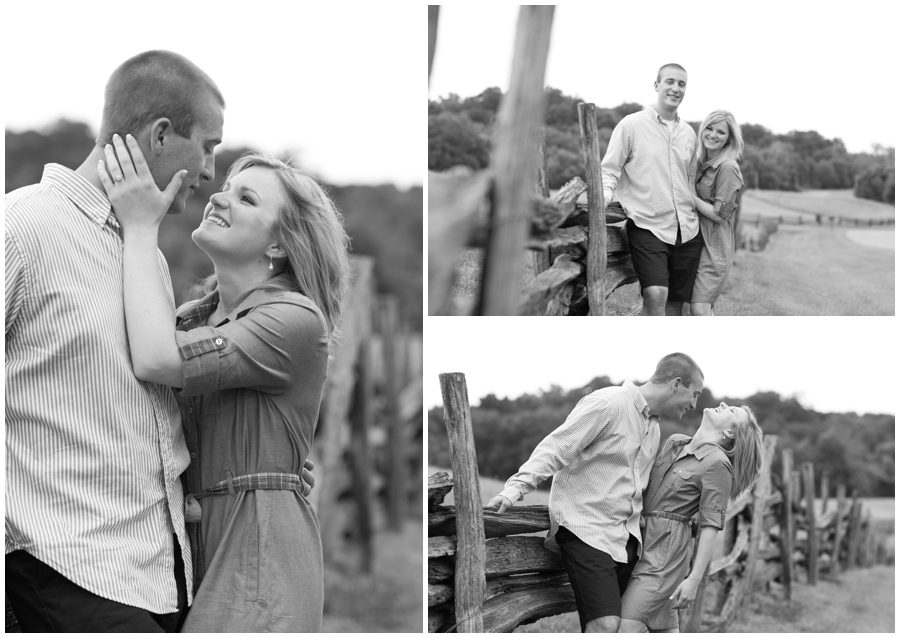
[252, 389]
[719, 186]
[681, 485]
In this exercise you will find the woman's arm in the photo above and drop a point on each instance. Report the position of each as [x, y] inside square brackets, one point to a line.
[149, 311]
[686, 592]
[706, 209]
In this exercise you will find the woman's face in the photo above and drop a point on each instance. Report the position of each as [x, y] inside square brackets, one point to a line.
[239, 223]
[715, 137]
[725, 417]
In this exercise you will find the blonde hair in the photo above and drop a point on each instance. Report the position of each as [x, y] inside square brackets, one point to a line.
[310, 230]
[746, 454]
[734, 148]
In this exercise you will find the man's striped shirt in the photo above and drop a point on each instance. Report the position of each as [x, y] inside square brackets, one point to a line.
[600, 460]
[93, 455]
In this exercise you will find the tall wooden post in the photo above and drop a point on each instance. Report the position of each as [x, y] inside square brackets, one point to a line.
[470, 552]
[855, 525]
[521, 113]
[433, 11]
[398, 481]
[596, 245]
[839, 528]
[812, 559]
[360, 420]
[787, 522]
[542, 257]
[823, 492]
[760, 496]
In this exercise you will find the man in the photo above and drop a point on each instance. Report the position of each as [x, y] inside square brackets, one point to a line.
[600, 461]
[95, 529]
[647, 165]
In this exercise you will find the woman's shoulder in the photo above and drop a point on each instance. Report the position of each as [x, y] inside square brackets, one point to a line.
[294, 303]
[730, 166]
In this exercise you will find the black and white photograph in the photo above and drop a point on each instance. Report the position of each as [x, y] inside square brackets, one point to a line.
[699, 159]
[589, 481]
[213, 247]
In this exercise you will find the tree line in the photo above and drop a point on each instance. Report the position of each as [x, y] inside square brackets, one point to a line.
[382, 221]
[459, 134]
[853, 449]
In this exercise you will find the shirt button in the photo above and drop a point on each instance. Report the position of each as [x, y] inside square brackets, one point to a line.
[193, 455]
[218, 342]
[190, 410]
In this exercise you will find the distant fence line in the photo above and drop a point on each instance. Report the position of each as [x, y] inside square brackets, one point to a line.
[484, 576]
[813, 219]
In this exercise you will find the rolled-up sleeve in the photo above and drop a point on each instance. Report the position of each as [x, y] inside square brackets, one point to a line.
[257, 351]
[715, 486]
[728, 184]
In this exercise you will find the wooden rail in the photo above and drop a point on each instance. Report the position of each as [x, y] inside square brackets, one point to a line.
[523, 581]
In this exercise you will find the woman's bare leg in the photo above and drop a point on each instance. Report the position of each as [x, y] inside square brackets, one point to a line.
[629, 626]
[701, 310]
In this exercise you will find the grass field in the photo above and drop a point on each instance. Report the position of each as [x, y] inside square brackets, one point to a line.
[804, 270]
[387, 600]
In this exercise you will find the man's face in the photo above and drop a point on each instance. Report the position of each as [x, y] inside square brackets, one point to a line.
[683, 398]
[195, 154]
[671, 87]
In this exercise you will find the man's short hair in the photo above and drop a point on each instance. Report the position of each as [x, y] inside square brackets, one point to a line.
[667, 66]
[677, 365]
[153, 85]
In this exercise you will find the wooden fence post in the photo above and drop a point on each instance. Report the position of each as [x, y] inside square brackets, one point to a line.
[855, 524]
[823, 492]
[812, 557]
[839, 528]
[787, 522]
[542, 257]
[398, 481]
[470, 552]
[521, 112]
[433, 11]
[760, 496]
[596, 244]
[360, 420]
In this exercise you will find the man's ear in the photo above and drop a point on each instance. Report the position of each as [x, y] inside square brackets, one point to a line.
[676, 383]
[161, 133]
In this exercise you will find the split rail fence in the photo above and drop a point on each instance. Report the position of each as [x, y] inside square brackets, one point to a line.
[486, 573]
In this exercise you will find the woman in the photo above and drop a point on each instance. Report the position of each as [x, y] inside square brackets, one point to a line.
[690, 475]
[250, 360]
[718, 182]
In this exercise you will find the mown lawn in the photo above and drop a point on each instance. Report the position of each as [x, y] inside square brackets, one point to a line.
[387, 600]
[804, 270]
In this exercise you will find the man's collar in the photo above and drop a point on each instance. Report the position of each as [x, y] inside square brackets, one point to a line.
[87, 197]
[655, 114]
[639, 401]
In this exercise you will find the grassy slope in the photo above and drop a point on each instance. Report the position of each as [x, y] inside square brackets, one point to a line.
[387, 600]
[802, 271]
[825, 202]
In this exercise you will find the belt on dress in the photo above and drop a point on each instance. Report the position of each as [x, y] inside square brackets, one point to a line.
[243, 483]
[675, 517]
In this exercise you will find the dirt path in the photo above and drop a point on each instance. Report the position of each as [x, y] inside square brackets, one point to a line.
[873, 238]
[862, 601]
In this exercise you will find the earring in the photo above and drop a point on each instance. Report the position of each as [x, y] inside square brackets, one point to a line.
[270, 262]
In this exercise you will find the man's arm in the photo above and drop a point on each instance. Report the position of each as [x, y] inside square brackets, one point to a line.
[617, 154]
[558, 449]
[15, 281]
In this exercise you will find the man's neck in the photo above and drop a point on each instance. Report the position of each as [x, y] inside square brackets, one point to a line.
[88, 168]
[651, 395]
[665, 112]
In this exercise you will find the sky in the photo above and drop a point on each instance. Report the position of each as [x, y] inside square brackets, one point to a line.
[784, 65]
[831, 364]
[328, 82]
